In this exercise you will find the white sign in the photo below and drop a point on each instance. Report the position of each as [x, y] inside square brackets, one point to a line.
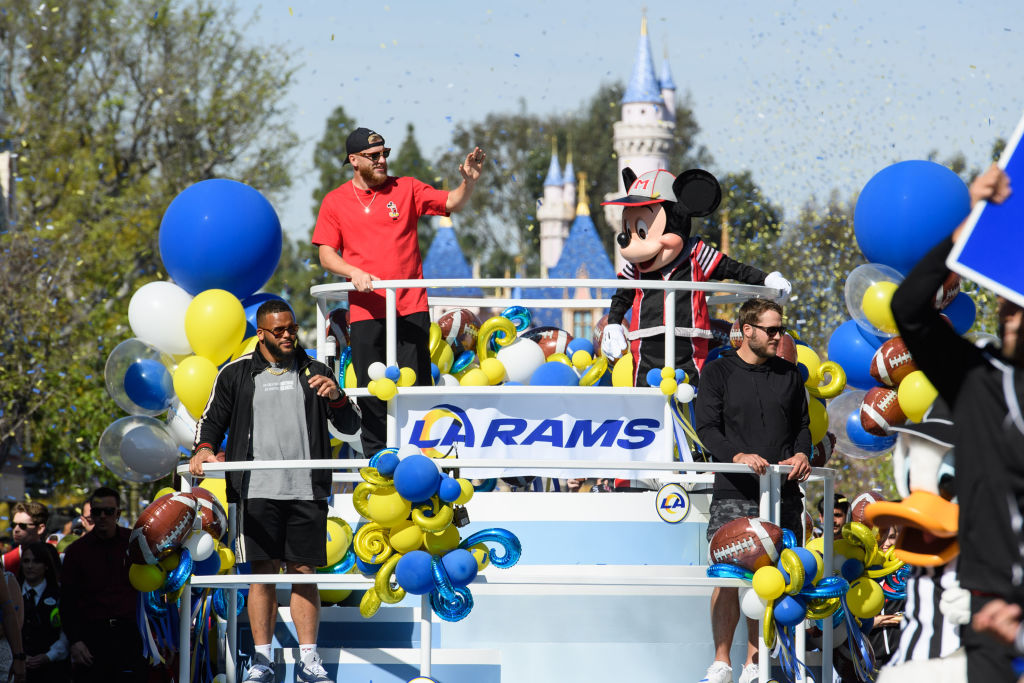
[539, 427]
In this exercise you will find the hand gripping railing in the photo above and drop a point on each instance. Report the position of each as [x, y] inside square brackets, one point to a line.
[770, 507]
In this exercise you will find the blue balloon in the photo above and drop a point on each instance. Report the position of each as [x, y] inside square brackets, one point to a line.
[392, 372]
[906, 209]
[148, 384]
[208, 567]
[417, 478]
[579, 344]
[554, 374]
[461, 567]
[809, 562]
[715, 353]
[861, 438]
[366, 567]
[852, 569]
[873, 339]
[962, 312]
[653, 377]
[789, 611]
[435, 372]
[413, 573]
[450, 489]
[848, 347]
[220, 234]
[387, 461]
[252, 304]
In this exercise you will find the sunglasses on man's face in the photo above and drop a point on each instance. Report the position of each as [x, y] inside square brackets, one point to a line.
[99, 512]
[24, 525]
[373, 157]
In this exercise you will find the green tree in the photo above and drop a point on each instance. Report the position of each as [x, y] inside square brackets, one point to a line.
[113, 108]
[329, 156]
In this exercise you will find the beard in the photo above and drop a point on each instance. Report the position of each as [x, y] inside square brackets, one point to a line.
[764, 350]
[275, 350]
[370, 177]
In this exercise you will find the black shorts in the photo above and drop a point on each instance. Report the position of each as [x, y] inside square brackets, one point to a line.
[290, 530]
[724, 510]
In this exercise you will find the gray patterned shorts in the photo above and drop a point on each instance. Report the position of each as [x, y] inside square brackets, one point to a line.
[725, 510]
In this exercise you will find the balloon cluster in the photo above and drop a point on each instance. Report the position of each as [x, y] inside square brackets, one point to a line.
[902, 212]
[220, 241]
[412, 536]
[198, 552]
[800, 587]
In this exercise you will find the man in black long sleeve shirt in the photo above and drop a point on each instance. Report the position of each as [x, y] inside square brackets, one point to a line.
[984, 392]
[751, 409]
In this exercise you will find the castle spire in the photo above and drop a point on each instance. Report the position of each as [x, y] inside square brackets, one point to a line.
[554, 176]
[583, 207]
[643, 85]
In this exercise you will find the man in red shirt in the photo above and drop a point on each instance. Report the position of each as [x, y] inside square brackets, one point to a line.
[366, 231]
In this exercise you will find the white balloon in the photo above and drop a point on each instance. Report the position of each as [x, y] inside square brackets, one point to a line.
[156, 314]
[376, 370]
[520, 359]
[200, 545]
[181, 425]
[751, 604]
[685, 393]
[837, 562]
[448, 381]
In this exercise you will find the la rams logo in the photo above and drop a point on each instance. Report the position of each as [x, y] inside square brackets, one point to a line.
[393, 211]
[672, 503]
[422, 679]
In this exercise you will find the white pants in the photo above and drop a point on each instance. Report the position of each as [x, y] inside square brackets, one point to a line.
[949, 669]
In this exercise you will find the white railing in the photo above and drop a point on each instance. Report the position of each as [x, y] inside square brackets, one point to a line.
[597, 581]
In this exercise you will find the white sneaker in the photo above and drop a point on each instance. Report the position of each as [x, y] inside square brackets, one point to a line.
[751, 674]
[718, 672]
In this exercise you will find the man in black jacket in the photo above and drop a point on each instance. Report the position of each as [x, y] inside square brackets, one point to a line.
[984, 392]
[274, 403]
[751, 409]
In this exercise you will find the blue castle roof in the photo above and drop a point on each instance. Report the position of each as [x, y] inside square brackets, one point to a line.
[554, 173]
[444, 259]
[643, 85]
[665, 79]
[584, 256]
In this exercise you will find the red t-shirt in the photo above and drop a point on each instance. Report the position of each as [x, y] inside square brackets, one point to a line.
[383, 241]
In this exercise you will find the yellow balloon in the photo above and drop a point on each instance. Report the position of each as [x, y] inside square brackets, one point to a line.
[581, 360]
[493, 369]
[215, 324]
[819, 419]
[668, 386]
[668, 373]
[810, 360]
[481, 554]
[915, 395]
[622, 373]
[193, 382]
[467, 491]
[337, 542]
[559, 358]
[163, 492]
[385, 389]
[501, 329]
[444, 359]
[227, 559]
[475, 377]
[388, 509]
[245, 347]
[407, 377]
[369, 603]
[816, 544]
[350, 377]
[334, 595]
[865, 598]
[768, 583]
[146, 578]
[406, 537]
[440, 543]
[877, 305]
[170, 563]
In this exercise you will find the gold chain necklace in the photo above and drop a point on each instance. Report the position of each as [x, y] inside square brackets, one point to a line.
[366, 207]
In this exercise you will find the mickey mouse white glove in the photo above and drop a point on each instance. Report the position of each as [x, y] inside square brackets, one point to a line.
[775, 280]
[955, 604]
[613, 341]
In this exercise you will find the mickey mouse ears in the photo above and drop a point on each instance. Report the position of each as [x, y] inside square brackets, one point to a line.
[696, 192]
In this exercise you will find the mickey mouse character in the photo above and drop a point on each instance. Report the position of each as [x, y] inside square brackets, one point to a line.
[656, 242]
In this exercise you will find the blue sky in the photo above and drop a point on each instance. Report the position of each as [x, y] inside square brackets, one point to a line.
[809, 96]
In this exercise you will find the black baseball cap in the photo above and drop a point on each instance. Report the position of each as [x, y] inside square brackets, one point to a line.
[360, 139]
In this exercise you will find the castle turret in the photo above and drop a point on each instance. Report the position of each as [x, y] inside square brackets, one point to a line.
[553, 214]
[668, 89]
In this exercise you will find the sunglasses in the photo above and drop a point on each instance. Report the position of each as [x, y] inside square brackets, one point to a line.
[375, 155]
[278, 332]
[771, 331]
[24, 525]
[99, 512]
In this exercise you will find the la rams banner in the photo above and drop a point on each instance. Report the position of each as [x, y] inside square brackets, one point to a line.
[531, 427]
